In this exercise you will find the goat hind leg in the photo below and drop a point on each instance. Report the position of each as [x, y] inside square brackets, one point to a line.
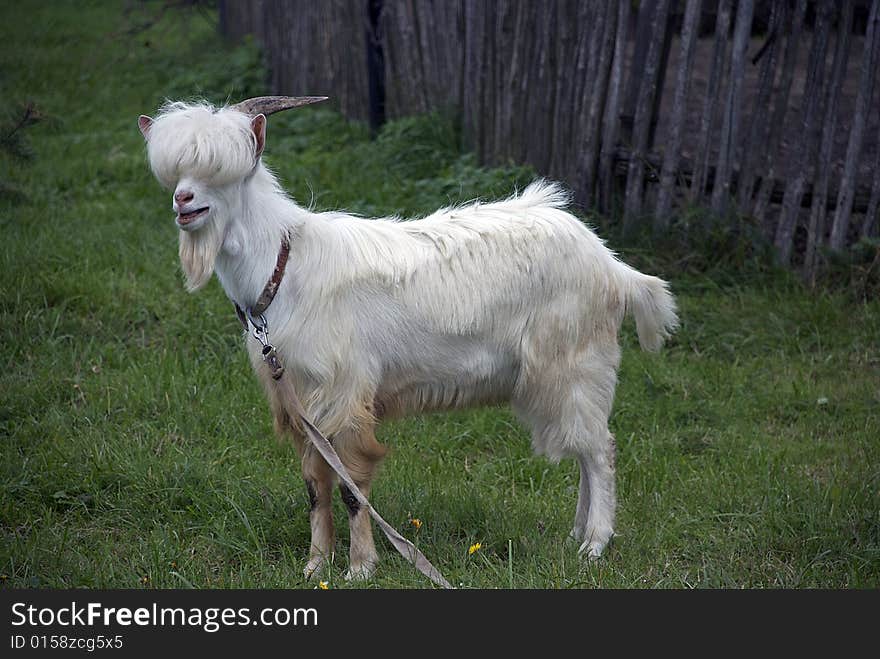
[578, 428]
[583, 505]
[597, 501]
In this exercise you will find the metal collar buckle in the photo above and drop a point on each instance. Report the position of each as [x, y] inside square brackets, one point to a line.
[259, 327]
[260, 331]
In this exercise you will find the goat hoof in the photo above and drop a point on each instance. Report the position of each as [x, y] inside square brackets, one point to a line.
[314, 567]
[361, 572]
[592, 550]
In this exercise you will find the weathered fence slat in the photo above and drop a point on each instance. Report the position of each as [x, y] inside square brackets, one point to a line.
[842, 213]
[869, 226]
[642, 123]
[818, 211]
[707, 117]
[643, 30]
[780, 109]
[611, 119]
[565, 43]
[755, 144]
[804, 148]
[732, 106]
[589, 154]
[672, 144]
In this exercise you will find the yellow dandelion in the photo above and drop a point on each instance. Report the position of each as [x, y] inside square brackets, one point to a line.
[477, 546]
[145, 580]
[415, 521]
[323, 585]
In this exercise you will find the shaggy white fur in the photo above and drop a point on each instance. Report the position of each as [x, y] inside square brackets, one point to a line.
[514, 300]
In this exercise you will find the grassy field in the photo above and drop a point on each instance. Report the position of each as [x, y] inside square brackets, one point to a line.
[137, 449]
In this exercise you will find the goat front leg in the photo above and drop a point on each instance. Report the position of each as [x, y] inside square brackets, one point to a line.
[317, 474]
[361, 455]
[319, 484]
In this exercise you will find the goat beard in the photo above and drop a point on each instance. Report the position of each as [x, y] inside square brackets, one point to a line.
[198, 250]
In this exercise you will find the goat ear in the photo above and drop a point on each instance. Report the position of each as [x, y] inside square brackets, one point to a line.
[144, 123]
[258, 125]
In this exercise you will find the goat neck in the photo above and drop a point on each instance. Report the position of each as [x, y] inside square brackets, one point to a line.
[260, 217]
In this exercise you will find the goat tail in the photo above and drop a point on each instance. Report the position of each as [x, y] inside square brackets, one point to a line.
[653, 307]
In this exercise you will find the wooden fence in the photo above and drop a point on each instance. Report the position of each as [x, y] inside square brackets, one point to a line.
[756, 109]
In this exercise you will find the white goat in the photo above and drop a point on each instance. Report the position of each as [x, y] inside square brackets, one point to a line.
[514, 300]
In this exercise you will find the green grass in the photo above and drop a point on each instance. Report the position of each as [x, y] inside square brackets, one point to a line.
[136, 443]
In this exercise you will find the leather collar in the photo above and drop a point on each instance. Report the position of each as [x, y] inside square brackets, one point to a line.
[270, 289]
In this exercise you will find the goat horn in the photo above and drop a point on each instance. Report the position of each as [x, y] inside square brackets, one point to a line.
[271, 104]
